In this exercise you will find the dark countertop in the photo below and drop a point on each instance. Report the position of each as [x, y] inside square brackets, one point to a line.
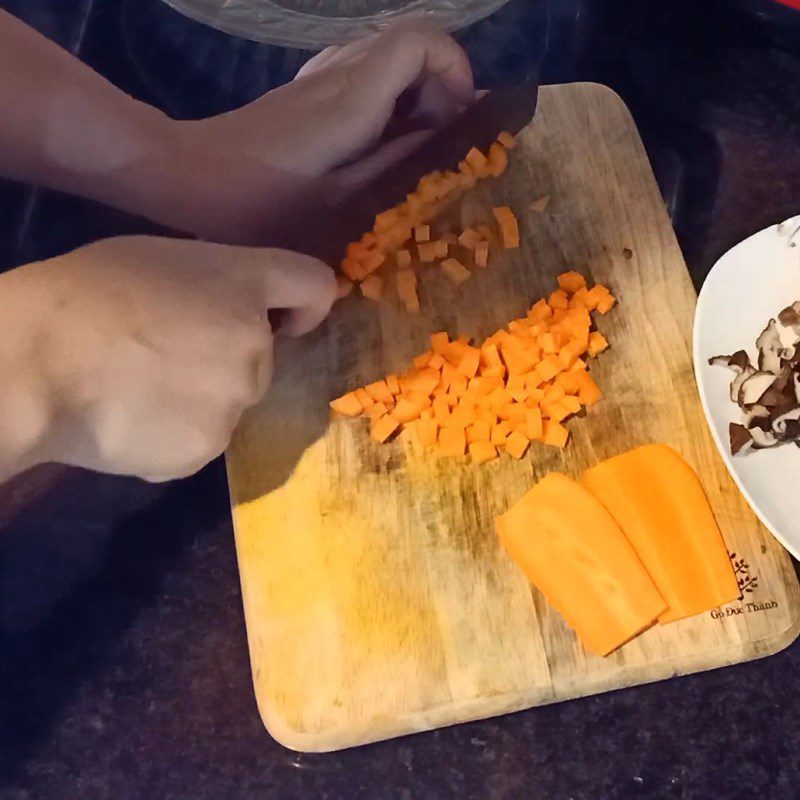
[123, 658]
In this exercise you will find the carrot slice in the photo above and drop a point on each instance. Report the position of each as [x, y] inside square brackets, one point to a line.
[348, 404]
[383, 427]
[455, 271]
[482, 451]
[658, 501]
[572, 550]
[541, 204]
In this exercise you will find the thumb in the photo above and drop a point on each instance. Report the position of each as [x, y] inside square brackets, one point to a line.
[301, 289]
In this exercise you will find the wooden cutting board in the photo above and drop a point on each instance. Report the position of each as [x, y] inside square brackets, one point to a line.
[377, 599]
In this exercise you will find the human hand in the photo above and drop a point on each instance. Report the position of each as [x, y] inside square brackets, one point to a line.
[350, 113]
[138, 355]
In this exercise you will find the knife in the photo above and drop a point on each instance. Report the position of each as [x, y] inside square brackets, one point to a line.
[338, 222]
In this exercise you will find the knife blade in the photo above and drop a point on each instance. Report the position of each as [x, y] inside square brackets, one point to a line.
[339, 222]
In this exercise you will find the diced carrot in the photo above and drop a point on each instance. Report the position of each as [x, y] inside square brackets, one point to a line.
[497, 160]
[558, 299]
[508, 140]
[597, 343]
[516, 444]
[427, 252]
[571, 282]
[500, 433]
[393, 384]
[482, 451]
[422, 233]
[588, 391]
[571, 403]
[469, 238]
[383, 427]
[477, 161]
[436, 361]
[403, 259]
[407, 410]
[376, 410]
[343, 286]
[452, 441]
[440, 248]
[513, 412]
[478, 432]
[348, 404]
[541, 204]
[499, 398]
[385, 219]
[549, 343]
[440, 342]
[555, 434]
[606, 303]
[548, 367]
[422, 380]
[353, 269]
[553, 394]
[482, 254]
[568, 382]
[363, 398]
[441, 410]
[540, 311]
[509, 230]
[533, 422]
[578, 366]
[421, 361]
[379, 392]
[555, 411]
[372, 287]
[427, 430]
[468, 365]
[455, 271]
[373, 261]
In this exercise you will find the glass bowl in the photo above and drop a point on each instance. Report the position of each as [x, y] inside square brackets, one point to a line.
[314, 24]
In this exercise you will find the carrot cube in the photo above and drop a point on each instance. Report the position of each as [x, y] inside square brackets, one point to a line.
[452, 441]
[508, 140]
[403, 259]
[482, 254]
[469, 238]
[558, 299]
[571, 282]
[477, 161]
[348, 404]
[379, 392]
[588, 391]
[533, 423]
[470, 360]
[509, 229]
[540, 311]
[383, 427]
[421, 361]
[363, 398]
[497, 160]
[376, 410]
[393, 384]
[422, 233]
[427, 430]
[597, 343]
[482, 451]
[516, 444]
[478, 432]
[372, 287]
[455, 271]
[555, 434]
[407, 410]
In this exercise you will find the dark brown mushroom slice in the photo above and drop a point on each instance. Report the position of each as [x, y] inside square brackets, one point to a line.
[769, 348]
[790, 316]
[740, 438]
[754, 387]
[738, 361]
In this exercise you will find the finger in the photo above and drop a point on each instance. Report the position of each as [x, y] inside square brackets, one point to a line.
[409, 54]
[354, 176]
[317, 62]
[435, 105]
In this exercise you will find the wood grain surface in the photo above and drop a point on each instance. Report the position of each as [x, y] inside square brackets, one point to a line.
[378, 601]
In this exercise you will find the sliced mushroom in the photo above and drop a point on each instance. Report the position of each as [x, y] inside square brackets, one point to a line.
[739, 361]
[786, 424]
[754, 387]
[763, 439]
[740, 438]
[736, 383]
[769, 348]
[781, 393]
[790, 316]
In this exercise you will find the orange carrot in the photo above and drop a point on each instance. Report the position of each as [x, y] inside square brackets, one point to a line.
[383, 428]
[455, 271]
[482, 451]
[509, 229]
[372, 287]
[508, 140]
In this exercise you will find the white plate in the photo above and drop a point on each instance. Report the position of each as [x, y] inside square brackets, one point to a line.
[747, 287]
